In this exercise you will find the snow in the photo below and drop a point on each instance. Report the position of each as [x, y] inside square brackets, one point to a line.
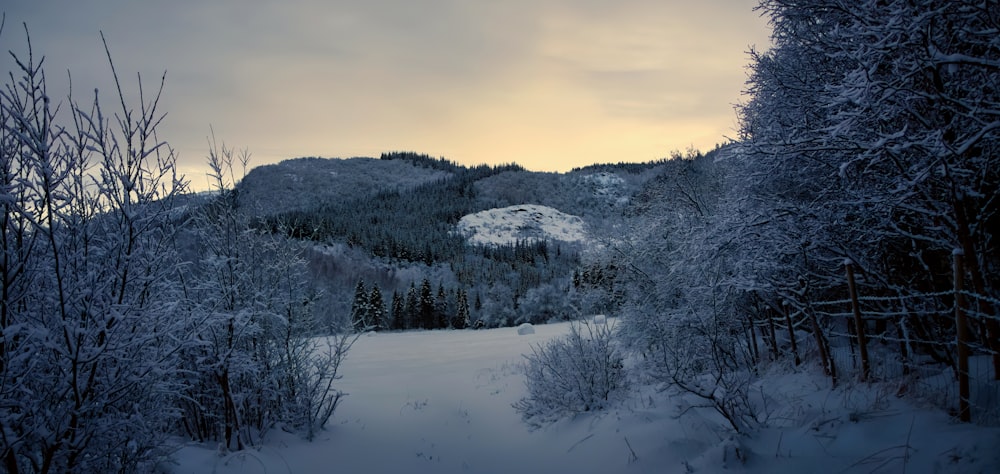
[605, 182]
[440, 401]
[525, 329]
[508, 225]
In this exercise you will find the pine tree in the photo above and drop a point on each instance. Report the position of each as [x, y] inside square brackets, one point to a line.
[376, 310]
[427, 319]
[359, 308]
[398, 312]
[412, 313]
[441, 316]
[461, 317]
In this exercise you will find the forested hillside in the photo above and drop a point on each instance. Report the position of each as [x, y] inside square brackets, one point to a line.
[303, 183]
[399, 228]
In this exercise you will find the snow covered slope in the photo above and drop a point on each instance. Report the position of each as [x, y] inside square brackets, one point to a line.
[508, 225]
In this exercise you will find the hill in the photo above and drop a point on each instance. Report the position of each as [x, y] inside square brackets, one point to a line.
[303, 183]
[501, 234]
[528, 222]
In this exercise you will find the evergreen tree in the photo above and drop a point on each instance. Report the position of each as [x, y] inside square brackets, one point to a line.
[441, 316]
[398, 312]
[427, 318]
[461, 316]
[376, 310]
[359, 308]
[412, 312]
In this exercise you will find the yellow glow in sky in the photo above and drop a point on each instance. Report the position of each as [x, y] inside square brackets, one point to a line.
[549, 84]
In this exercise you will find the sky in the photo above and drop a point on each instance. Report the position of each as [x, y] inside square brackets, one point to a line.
[548, 84]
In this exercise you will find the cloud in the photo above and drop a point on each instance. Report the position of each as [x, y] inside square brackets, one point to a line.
[549, 83]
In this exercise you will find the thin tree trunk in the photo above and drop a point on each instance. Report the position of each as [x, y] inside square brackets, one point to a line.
[904, 342]
[962, 330]
[824, 353]
[821, 342]
[791, 331]
[971, 261]
[754, 348]
[774, 336]
[859, 324]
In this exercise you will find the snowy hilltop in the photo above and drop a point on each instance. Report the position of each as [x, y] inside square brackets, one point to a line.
[527, 222]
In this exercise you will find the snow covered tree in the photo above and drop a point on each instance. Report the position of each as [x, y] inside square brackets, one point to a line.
[461, 317]
[88, 317]
[691, 262]
[881, 118]
[360, 307]
[545, 303]
[255, 364]
[397, 312]
[428, 319]
[376, 310]
[441, 308]
[497, 307]
[412, 310]
[923, 98]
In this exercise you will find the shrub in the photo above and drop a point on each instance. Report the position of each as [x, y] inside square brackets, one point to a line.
[579, 372]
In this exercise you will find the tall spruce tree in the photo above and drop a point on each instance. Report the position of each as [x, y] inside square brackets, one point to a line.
[397, 312]
[376, 310]
[359, 308]
[412, 312]
[427, 317]
[442, 318]
[460, 320]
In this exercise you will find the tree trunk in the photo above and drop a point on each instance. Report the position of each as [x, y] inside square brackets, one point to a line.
[791, 331]
[962, 330]
[774, 336]
[859, 323]
[970, 261]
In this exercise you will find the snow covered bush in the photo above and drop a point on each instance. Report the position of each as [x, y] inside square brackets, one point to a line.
[255, 365]
[692, 269]
[703, 357]
[88, 320]
[318, 397]
[579, 372]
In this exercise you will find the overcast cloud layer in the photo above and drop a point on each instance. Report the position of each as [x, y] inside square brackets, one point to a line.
[550, 84]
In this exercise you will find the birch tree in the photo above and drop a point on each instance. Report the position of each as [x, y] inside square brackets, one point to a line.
[88, 333]
[255, 364]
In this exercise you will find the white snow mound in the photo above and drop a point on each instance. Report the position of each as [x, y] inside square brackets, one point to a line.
[525, 329]
[509, 225]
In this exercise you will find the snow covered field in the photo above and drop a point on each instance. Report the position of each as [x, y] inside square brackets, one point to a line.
[440, 402]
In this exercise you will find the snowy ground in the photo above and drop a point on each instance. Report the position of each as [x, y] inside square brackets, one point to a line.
[524, 222]
[440, 402]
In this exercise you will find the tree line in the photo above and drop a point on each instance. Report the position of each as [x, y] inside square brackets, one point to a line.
[417, 308]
